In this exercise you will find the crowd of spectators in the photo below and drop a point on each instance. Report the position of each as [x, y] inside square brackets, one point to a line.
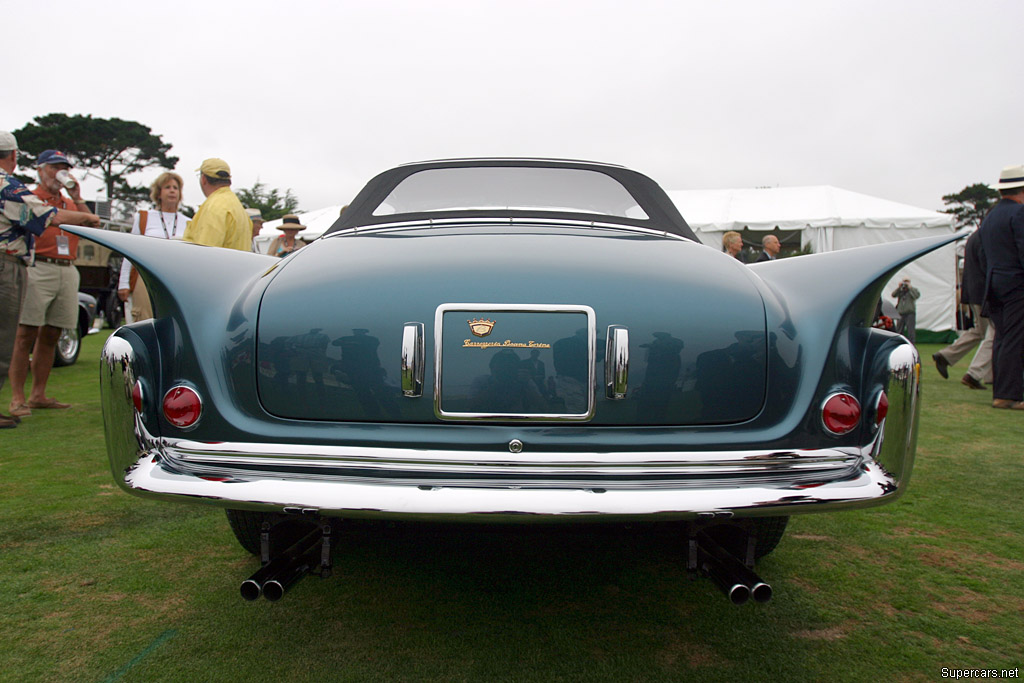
[38, 280]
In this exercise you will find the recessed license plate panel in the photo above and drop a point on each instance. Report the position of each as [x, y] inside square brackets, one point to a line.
[505, 362]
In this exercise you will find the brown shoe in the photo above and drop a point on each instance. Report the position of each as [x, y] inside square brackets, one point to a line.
[7, 423]
[1007, 404]
[968, 380]
[941, 364]
[20, 410]
[13, 418]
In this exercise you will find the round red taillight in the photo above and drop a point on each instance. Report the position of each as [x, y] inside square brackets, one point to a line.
[882, 408]
[182, 406]
[840, 413]
[137, 396]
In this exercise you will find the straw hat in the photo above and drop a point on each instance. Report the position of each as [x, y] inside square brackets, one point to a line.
[291, 222]
[1010, 177]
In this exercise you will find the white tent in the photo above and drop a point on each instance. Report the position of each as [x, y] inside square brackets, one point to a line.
[830, 218]
[317, 222]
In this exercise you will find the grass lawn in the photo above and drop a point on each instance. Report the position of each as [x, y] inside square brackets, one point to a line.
[97, 585]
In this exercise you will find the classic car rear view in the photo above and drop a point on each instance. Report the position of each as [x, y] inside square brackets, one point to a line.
[511, 341]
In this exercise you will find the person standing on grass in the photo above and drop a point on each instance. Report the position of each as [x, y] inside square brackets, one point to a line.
[165, 223]
[23, 218]
[983, 332]
[906, 297]
[221, 221]
[51, 294]
[1002, 245]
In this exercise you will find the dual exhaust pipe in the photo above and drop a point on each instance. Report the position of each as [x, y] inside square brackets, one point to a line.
[276, 577]
[279, 575]
[737, 582]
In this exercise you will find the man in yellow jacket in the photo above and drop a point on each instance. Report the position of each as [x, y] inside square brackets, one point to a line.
[221, 221]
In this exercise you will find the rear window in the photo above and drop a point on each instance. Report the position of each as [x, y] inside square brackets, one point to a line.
[566, 190]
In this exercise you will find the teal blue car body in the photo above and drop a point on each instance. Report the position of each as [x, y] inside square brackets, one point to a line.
[488, 363]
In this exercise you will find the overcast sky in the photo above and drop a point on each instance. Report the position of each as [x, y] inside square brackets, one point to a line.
[902, 100]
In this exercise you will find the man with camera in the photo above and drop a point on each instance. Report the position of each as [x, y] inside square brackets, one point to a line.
[906, 305]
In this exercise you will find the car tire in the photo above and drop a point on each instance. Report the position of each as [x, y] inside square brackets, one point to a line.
[769, 532]
[114, 311]
[246, 526]
[734, 535]
[69, 345]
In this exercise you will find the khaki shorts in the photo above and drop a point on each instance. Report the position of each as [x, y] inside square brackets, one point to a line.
[52, 296]
[142, 308]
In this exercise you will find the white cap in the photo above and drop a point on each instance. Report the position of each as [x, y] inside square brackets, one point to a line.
[8, 143]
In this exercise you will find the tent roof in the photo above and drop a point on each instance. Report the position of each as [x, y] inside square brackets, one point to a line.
[796, 208]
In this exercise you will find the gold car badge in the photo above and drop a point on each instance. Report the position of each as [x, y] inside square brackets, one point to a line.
[480, 327]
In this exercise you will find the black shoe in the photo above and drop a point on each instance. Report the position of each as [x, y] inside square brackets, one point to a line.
[941, 364]
[968, 380]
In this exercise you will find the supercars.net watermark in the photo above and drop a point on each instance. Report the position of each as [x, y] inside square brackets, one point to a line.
[979, 673]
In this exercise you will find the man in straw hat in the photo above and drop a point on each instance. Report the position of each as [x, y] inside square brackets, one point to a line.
[1002, 242]
[257, 224]
[221, 221]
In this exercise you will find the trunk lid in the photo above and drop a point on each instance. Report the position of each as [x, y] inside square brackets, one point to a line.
[515, 324]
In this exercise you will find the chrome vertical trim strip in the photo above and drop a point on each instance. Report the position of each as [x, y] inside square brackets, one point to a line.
[616, 363]
[412, 360]
[127, 437]
[897, 440]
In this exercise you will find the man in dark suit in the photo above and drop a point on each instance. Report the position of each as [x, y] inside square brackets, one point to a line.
[981, 335]
[771, 246]
[1002, 242]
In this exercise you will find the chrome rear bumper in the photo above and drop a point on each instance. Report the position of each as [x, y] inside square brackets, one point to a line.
[355, 481]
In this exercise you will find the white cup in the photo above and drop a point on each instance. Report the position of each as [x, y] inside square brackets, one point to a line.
[65, 178]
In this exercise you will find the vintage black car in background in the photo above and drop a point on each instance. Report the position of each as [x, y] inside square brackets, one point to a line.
[69, 344]
[511, 341]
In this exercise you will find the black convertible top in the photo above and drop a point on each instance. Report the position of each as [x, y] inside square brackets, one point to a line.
[661, 213]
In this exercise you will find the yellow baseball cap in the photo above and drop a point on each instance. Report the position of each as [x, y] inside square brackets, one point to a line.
[215, 168]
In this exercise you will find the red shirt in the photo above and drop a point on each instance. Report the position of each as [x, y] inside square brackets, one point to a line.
[46, 244]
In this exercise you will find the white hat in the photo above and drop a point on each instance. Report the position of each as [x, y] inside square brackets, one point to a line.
[8, 143]
[1010, 177]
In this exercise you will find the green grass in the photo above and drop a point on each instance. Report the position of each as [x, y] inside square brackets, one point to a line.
[98, 585]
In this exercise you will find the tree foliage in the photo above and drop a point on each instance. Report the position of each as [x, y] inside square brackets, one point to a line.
[270, 201]
[970, 204]
[113, 147]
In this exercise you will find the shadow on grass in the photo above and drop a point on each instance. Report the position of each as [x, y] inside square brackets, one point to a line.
[520, 603]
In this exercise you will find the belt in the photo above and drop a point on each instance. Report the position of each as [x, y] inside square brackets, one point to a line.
[55, 261]
[11, 257]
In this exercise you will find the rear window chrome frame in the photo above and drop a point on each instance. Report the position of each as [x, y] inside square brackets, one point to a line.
[517, 308]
